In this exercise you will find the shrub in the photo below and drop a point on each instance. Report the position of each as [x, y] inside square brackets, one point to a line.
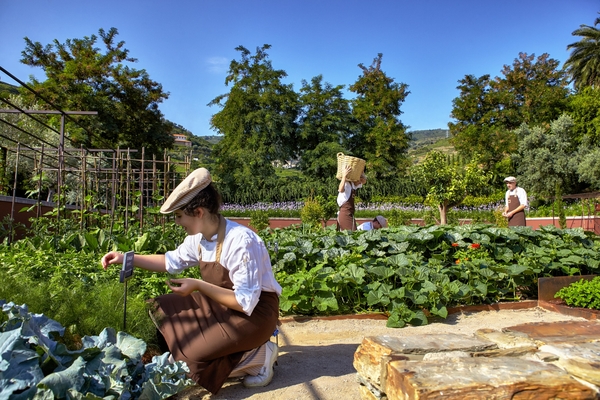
[397, 217]
[259, 220]
[583, 293]
[312, 212]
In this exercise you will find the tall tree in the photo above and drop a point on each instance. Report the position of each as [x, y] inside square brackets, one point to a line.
[583, 65]
[79, 77]
[381, 138]
[545, 158]
[584, 108]
[325, 121]
[257, 120]
[533, 91]
[475, 130]
[487, 111]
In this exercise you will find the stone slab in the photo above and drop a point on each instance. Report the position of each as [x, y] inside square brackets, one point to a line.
[562, 331]
[506, 340]
[482, 378]
[374, 352]
[579, 359]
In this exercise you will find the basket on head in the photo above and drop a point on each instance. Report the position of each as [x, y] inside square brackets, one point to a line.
[357, 164]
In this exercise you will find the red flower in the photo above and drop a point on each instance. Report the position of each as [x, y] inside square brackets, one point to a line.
[458, 261]
[455, 244]
[475, 246]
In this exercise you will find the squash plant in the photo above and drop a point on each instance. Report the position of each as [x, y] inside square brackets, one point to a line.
[410, 272]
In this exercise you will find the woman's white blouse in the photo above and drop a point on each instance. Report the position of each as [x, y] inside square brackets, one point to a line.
[345, 195]
[243, 253]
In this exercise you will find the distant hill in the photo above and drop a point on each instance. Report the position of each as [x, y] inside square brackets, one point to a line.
[7, 88]
[426, 140]
[212, 139]
[428, 136]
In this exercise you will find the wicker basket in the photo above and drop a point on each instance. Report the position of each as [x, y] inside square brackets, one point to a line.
[357, 164]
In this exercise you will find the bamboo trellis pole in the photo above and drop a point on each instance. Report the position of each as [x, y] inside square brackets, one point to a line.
[12, 208]
[141, 205]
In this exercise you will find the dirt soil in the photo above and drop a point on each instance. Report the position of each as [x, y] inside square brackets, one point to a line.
[315, 356]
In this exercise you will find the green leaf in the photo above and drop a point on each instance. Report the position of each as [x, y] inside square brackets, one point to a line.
[395, 321]
[140, 243]
[325, 301]
[419, 319]
[60, 382]
[439, 310]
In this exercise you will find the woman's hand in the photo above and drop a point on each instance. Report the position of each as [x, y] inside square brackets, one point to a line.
[183, 286]
[114, 257]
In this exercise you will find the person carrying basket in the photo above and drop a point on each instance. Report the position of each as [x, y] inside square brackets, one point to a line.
[345, 199]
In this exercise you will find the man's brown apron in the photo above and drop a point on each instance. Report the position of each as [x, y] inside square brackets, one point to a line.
[517, 219]
[208, 336]
[346, 214]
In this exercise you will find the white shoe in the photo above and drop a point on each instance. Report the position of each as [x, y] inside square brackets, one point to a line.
[266, 372]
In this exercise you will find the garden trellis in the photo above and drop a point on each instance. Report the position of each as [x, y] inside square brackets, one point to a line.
[113, 181]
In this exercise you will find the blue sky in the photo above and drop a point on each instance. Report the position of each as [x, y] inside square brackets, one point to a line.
[187, 45]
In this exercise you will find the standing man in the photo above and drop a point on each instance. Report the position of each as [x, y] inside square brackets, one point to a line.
[515, 203]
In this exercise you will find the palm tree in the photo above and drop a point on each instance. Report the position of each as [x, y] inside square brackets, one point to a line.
[583, 64]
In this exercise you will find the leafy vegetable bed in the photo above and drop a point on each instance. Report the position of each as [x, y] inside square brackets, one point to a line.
[35, 365]
[404, 271]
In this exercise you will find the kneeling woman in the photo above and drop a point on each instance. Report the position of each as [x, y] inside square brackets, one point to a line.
[220, 325]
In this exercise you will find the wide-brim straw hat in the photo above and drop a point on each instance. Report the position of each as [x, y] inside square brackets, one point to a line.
[186, 190]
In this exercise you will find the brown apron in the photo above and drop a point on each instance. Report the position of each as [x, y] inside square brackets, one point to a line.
[346, 220]
[208, 336]
[517, 219]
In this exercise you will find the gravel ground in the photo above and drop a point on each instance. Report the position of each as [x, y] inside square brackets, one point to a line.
[315, 356]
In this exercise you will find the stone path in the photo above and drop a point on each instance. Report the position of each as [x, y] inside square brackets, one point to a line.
[529, 361]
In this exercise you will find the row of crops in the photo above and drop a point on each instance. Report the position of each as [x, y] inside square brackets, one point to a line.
[408, 273]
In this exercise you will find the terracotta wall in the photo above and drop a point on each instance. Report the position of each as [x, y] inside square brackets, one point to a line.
[591, 223]
[588, 223]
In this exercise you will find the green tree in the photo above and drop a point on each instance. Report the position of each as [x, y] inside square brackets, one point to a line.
[487, 111]
[381, 138]
[545, 157]
[475, 130]
[583, 64]
[584, 108]
[533, 91]
[588, 165]
[79, 77]
[449, 184]
[257, 120]
[324, 123]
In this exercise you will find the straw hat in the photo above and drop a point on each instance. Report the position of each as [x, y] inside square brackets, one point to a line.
[186, 190]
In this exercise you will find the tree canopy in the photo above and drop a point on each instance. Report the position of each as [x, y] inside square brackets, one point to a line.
[325, 122]
[79, 77]
[257, 120]
[381, 138]
[487, 111]
[448, 184]
[583, 64]
[546, 157]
